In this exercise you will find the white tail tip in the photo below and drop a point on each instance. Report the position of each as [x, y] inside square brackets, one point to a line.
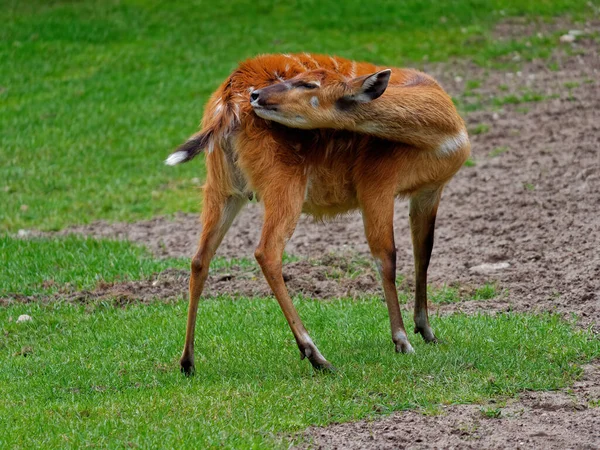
[176, 158]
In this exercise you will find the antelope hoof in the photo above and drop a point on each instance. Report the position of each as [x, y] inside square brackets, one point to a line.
[317, 360]
[187, 367]
[404, 347]
[402, 344]
[322, 365]
[427, 334]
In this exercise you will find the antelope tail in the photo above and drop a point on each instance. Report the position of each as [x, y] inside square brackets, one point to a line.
[192, 147]
[223, 115]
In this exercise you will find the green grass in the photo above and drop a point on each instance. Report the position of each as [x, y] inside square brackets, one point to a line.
[94, 94]
[491, 413]
[444, 295]
[108, 376]
[472, 84]
[486, 292]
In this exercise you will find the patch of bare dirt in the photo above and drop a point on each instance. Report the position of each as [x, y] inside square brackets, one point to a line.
[333, 276]
[517, 28]
[565, 419]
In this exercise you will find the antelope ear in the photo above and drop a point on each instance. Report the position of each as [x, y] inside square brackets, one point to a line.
[369, 87]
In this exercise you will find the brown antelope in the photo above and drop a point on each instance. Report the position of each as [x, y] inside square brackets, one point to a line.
[325, 135]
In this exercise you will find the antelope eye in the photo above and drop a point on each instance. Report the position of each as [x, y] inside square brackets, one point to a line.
[307, 85]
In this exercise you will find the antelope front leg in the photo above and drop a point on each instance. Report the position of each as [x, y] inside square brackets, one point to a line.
[378, 218]
[217, 216]
[282, 210]
[423, 210]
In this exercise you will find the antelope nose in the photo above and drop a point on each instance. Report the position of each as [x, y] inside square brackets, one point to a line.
[254, 96]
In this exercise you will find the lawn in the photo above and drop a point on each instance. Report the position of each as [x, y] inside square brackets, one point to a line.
[94, 94]
[102, 376]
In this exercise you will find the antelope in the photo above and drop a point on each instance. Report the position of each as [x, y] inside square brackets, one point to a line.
[324, 136]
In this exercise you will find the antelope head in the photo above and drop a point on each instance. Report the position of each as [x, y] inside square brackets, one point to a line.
[318, 99]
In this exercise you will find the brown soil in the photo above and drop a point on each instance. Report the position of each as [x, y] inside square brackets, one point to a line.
[564, 419]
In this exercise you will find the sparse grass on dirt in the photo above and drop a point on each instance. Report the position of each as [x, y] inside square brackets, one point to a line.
[94, 94]
[470, 102]
[76, 268]
[480, 128]
[498, 151]
[76, 376]
[443, 295]
[44, 266]
[34, 266]
[486, 292]
[451, 294]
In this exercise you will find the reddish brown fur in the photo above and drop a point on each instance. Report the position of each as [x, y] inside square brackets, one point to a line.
[378, 151]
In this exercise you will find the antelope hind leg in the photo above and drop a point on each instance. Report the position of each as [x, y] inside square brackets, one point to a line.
[423, 211]
[217, 216]
[378, 218]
